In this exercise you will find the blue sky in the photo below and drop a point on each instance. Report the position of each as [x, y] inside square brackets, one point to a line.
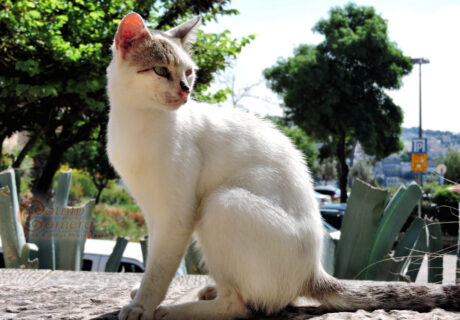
[423, 28]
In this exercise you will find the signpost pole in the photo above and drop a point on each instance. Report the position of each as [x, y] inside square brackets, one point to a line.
[420, 132]
[420, 61]
[419, 162]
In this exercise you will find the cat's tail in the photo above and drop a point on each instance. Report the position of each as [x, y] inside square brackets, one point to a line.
[343, 295]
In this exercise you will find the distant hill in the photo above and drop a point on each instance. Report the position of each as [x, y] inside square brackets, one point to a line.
[446, 136]
[438, 141]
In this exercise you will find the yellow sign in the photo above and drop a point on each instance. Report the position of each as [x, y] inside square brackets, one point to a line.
[419, 161]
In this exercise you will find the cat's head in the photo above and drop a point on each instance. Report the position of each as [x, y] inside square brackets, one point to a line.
[153, 68]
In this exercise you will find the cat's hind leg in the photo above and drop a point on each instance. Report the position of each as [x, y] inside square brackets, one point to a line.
[227, 305]
[257, 248]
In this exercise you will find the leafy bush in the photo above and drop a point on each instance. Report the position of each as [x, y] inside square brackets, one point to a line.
[429, 189]
[81, 188]
[116, 196]
[447, 210]
[444, 196]
[116, 215]
[109, 221]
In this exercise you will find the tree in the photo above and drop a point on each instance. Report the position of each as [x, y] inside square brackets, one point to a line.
[335, 91]
[325, 170]
[452, 162]
[300, 139]
[405, 156]
[52, 67]
[364, 171]
[91, 156]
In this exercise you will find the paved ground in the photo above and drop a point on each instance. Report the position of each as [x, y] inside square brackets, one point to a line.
[45, 294]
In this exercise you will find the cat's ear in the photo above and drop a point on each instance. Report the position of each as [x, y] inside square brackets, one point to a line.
[131, 29]
[186, 32]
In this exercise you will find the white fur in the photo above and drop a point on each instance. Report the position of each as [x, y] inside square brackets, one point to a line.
[230, 178]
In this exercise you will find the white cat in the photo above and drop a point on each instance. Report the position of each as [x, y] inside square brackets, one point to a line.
[232, 179]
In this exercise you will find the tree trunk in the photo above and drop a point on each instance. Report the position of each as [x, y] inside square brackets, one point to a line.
[100, 188]
[41, 188]
[25, 150]
[343, 169]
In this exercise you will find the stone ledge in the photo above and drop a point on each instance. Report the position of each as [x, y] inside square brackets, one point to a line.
[45, 294]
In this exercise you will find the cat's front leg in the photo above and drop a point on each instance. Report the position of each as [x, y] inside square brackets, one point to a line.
[167, 243]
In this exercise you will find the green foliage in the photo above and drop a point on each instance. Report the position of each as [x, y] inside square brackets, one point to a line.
[452, 162]
[445, 196]
[81, 188]
[115, 196]
[336, 90]
[91, 156]
[121, 221]
[431, 188]
[394, 216]
[213, 52]
[369, 229]
[54, 59]
[446, 212]
[301, 141]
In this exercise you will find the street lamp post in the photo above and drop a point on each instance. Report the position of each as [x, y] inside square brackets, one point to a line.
[420, 61]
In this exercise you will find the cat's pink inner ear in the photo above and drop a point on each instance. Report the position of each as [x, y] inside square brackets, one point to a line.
[130, 30]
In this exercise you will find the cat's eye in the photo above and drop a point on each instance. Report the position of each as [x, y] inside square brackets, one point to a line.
[161, 71]
[188, 72]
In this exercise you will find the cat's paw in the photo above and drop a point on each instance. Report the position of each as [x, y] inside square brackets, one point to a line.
[133, 292]
[135, 312]
[207, 293]
[171, 313]
[162, 313]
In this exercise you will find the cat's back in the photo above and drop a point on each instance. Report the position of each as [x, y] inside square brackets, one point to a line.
[236, 129]
[234, 143]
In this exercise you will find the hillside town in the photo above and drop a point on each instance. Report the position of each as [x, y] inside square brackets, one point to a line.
[396, 169]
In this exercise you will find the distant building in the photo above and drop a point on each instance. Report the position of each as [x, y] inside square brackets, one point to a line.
[393, 181]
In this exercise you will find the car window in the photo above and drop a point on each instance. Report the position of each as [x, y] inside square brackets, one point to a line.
[129, 267]
[87, 265]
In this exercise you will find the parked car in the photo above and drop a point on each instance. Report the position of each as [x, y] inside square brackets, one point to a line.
[331, 191]
[97, 254]
[333, 232]
[322, 199]
[333, 214]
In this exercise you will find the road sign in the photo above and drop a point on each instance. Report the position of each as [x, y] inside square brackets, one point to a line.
[441, 169]
[419, 145]
[419, 161]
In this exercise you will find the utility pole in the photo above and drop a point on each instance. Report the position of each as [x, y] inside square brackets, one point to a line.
[420, 61]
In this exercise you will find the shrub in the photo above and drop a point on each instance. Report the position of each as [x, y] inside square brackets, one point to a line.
[109, 221]
[447, 210]
[114, 195]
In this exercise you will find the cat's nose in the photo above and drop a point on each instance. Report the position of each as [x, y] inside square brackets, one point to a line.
[184, 87]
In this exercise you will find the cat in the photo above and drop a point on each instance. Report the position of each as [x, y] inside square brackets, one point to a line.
[231, 179]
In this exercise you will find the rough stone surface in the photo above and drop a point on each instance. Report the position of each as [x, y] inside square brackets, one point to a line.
[44, 294]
